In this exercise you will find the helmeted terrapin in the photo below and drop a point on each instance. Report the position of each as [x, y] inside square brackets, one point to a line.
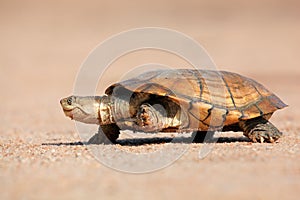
[180, 100]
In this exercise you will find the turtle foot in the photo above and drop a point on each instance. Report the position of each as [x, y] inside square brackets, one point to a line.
[260, 130]
[107, 134]
[149, 118]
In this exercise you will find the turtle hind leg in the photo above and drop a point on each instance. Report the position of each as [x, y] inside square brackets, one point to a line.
[202, 136]
[107, 134]
[260, 130]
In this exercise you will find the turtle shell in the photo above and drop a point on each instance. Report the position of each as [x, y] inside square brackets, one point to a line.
[211, 98]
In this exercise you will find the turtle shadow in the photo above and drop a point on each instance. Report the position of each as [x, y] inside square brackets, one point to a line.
[156, 140]
[64, 143]
[177, 140]
[232, 139]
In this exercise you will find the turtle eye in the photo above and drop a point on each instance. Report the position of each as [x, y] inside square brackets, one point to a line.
[69, 100]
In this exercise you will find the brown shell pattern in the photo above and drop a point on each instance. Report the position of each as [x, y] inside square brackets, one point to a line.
[229, 97]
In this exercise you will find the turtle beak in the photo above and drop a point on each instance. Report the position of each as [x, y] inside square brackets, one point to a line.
[62, 101]
[66, 107]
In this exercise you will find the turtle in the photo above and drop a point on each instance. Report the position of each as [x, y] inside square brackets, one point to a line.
[180, 100]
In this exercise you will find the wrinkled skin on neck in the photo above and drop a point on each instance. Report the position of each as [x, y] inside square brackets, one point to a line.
[88, 109]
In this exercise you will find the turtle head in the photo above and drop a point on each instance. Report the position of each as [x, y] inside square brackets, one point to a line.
[83, 109]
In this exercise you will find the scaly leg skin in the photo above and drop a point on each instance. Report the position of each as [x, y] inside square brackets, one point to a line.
[107, 134]
[202, 136]
[260, 130]
[150, 118]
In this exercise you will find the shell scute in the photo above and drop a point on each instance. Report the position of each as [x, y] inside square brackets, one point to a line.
[251, 111]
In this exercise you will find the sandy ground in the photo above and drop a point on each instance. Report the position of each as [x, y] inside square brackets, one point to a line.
[43, 44]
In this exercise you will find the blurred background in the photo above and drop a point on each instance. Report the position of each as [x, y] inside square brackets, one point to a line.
[44, 43]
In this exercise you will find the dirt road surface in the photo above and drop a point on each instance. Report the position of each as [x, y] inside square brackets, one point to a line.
[43, 44]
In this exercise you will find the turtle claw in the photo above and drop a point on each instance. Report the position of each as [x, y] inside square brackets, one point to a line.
[261, 139]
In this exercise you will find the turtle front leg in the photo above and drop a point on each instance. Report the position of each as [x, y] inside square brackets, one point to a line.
[107, 134]
[260, 130]
[151, 118]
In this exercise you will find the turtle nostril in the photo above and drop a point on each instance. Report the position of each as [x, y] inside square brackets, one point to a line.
[69, 101]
